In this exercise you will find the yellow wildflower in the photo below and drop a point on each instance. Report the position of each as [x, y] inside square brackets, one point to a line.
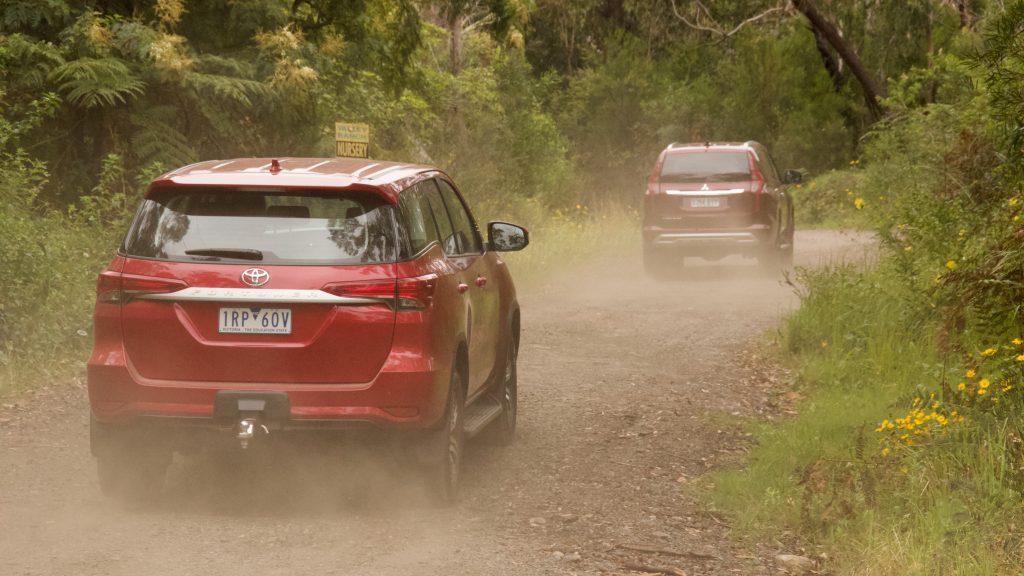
[858, 203]
[1017, 341]
[961, 386]
[982, 391]
[1020, 358]
[885, 451]
[908, 248]
[983, 383]
[970, 373]
[989, 351]
[1013, 201]
[951, 264]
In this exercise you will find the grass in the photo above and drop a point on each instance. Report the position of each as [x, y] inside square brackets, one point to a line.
[946, 505]
[563, 238]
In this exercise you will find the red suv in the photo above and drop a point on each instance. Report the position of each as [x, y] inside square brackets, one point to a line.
[713, 200]
[257, 296]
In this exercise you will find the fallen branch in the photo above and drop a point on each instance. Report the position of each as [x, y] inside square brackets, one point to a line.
[694, 555]
[637, 567]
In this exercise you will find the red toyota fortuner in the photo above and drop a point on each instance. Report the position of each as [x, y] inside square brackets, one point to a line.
[259, 296]
[711, 200]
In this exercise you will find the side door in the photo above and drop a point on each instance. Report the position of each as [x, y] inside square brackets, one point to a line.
[466, 253]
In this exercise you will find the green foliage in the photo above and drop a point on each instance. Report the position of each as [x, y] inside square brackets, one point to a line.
[906, 457]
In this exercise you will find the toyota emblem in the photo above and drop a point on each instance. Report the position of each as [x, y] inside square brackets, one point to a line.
[255, 277]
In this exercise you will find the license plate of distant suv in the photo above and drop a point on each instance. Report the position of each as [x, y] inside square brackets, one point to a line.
[255, 321]
[704, 203]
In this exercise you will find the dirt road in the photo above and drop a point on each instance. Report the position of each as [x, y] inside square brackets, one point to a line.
[622, 382]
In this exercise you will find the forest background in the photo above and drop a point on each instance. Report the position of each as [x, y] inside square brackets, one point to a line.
[907, 118]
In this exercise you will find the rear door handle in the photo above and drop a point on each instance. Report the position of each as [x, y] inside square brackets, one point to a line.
[463, 288]
[481, 281]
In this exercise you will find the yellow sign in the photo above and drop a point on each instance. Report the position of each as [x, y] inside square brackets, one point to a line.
[352, 139]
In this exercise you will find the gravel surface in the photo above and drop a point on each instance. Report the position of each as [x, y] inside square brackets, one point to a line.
[624, 387]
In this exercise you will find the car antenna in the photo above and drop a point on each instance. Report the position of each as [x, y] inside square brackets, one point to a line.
[707, 143]
[275, 166]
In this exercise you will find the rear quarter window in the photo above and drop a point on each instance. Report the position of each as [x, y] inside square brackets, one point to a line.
[326, 227]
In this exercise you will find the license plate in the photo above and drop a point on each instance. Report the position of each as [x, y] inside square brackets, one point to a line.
[704, 202]
[255, 321]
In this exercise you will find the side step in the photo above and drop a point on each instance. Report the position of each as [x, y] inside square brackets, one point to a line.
[480, 414]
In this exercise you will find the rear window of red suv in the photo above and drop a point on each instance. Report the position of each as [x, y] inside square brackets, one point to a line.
[706, 166]
[330, 227]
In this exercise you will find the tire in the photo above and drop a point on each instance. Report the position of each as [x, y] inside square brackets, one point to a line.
[128, 465]
[503, 430]
[445, 473]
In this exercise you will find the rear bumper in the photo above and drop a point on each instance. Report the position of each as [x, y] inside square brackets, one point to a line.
[696, 240]
[406, 395]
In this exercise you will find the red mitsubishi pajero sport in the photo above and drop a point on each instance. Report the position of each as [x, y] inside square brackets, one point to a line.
[715, 199]
[260, 296]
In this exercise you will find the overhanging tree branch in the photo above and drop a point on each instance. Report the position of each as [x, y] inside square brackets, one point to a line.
[701, 12]
[873, 93]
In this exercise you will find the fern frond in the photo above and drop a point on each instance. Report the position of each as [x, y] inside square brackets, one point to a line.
[34, 60]
[234, 90]
[156, 139]
[29, 14]
[92, 82]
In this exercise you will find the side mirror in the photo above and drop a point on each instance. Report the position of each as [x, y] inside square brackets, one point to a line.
[793, 177]
[505, 237]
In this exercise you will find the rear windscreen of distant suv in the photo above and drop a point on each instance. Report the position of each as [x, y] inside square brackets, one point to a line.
[337, 227]
[706, 166]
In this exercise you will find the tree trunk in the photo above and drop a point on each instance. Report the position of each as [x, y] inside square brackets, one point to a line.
[455, 29]
[872, 92]
[828, 59]
[965, 13]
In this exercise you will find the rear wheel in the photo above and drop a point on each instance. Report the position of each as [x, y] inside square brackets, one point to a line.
[445, 473]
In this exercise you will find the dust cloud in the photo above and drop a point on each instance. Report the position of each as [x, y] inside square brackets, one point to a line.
[623, 384]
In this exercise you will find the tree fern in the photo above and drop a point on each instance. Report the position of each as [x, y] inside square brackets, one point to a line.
[92, 82]
[34, 60]
[30, 14]
[156, 139]
[240, 91]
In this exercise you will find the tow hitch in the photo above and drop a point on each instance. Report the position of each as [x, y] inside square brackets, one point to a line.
[247, 429]
[252, 413]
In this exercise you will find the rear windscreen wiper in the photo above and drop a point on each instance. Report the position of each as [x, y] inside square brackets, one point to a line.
[236, 253]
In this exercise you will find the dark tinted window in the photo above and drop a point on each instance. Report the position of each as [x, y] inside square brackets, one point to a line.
[467, 239]
[418, 218]
[272, 227]
[444, 223]
[706, 166]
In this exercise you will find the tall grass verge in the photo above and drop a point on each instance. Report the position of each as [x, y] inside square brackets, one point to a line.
[936, 493]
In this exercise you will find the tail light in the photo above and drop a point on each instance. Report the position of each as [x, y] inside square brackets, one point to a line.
[416, 293]
[756, 181]
[117, 288]
[403, 294]
[652, 185]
